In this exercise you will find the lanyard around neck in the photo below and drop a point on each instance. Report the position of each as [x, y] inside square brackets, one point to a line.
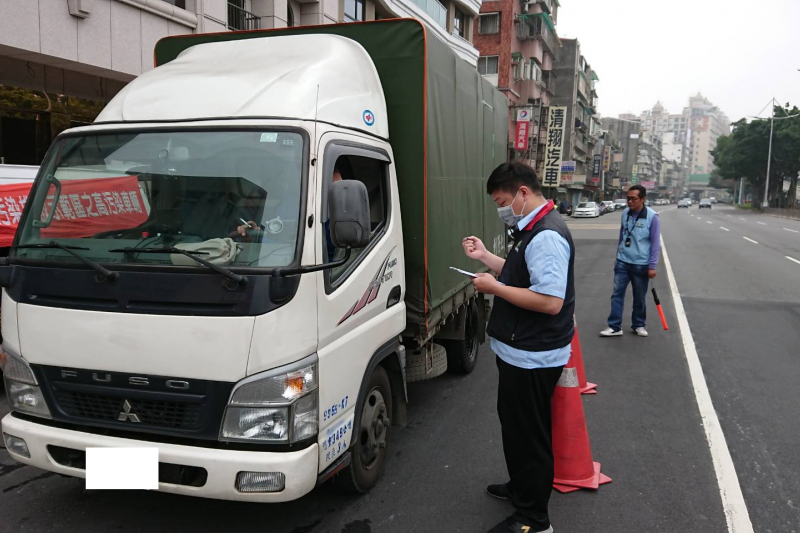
[629, 229]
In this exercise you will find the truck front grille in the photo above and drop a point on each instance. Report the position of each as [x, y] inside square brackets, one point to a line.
[153, 413]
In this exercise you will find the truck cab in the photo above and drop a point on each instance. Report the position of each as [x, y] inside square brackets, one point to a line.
[217, 267]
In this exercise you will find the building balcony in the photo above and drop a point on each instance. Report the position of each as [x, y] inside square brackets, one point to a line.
[240, 19]
[530, 89]
[434, 9]
[538, 26]
[581, 149]
[546, 5]
[583, 86]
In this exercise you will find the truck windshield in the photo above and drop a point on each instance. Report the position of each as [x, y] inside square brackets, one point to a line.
[189, 189]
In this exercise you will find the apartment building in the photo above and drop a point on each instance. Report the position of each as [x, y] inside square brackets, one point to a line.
[697, 128]
[61, 61]
[707, 124]
[518, 45]
[627, 133]
[582, 131]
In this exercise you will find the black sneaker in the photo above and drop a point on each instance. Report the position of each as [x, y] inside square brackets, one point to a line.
[500, 491]
[512, 524]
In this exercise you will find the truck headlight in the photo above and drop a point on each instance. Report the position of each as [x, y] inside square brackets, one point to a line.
[22, 389]
[280, 405]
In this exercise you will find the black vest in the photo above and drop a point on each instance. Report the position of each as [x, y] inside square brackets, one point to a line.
[529, 330]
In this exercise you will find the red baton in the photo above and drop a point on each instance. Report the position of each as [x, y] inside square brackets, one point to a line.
[660, 311]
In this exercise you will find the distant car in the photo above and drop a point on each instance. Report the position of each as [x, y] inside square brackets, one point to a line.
[610, 205]
[705, 202]
[684, 203]
[620, 203]
[713, 200]
[587, 210]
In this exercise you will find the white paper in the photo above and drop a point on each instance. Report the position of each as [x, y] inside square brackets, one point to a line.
[122, 468]
[470, 274]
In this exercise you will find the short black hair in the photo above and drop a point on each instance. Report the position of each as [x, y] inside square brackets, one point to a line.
[640, 188]
[512, 175]
[343, 167]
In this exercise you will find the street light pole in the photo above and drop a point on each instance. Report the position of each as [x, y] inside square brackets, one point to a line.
[765, 203]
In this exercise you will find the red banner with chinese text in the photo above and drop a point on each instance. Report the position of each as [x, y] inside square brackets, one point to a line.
[522, 136]
[85, 207]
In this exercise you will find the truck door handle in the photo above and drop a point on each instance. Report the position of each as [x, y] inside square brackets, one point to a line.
[394, 297]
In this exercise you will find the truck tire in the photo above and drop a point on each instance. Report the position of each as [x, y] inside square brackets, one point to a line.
[463, 354]
[418, 369]
[369, 445]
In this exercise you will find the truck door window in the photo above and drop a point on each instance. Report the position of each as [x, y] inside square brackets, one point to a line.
[374, 174]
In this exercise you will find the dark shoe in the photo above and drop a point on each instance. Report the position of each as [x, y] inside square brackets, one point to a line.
[501, 491]
[515, 524]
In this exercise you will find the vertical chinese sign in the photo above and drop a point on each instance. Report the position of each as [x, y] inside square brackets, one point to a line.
[554, 151]
[596, 169]
[607, 159]
[522, 136]
[524, 115]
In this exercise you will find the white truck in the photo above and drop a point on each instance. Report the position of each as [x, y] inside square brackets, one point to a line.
[190, 272]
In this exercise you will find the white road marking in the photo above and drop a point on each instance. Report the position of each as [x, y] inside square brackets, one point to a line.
[792, 230]
[698, 218]
[793, 259]
[763, 224]
[733, 505]
[740, 218]
[726, 229]
[709, 222]
[729, 216]
[751, 240]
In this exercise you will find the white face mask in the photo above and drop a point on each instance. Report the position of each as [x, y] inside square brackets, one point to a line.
[507, 214]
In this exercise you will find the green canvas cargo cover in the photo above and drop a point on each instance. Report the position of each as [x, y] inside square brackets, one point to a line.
[448, 128]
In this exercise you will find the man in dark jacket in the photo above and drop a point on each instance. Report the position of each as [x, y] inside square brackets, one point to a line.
[531, 329]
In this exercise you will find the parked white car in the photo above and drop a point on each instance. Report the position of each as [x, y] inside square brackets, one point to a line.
[587, 209]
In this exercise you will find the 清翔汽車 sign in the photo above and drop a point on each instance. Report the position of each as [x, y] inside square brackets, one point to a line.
[554, 146]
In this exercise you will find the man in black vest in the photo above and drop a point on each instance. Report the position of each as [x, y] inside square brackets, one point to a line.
[531, 328]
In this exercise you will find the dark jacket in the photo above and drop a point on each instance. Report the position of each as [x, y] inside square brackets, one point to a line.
[529, 330]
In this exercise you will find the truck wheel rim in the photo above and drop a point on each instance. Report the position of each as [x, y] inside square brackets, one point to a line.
[374, 428]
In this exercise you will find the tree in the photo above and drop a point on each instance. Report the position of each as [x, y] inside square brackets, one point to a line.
[743, 154]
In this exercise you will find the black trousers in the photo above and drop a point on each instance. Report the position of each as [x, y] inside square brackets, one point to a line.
[523, 405]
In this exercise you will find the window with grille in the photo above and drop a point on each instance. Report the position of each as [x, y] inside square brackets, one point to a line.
[487, 65]
[489, 23]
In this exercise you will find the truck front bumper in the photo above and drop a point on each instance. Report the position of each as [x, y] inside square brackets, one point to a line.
[222, 466]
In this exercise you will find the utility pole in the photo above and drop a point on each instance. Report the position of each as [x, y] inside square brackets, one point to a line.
[765, 203]
[741, 190]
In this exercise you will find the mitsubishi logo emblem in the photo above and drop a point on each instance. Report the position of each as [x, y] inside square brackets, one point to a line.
[125, 415]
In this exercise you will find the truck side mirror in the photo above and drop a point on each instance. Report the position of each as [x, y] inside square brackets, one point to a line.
[348, 206]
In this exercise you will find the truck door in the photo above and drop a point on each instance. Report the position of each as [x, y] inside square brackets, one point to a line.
[361, 304]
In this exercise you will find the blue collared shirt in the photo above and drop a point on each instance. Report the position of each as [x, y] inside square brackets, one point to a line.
[547, 257]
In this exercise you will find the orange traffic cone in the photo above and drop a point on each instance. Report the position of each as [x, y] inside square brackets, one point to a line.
[577, 355]
[574, 468]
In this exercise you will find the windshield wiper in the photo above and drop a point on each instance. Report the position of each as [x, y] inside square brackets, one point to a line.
[193, 255]
[104, 272]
